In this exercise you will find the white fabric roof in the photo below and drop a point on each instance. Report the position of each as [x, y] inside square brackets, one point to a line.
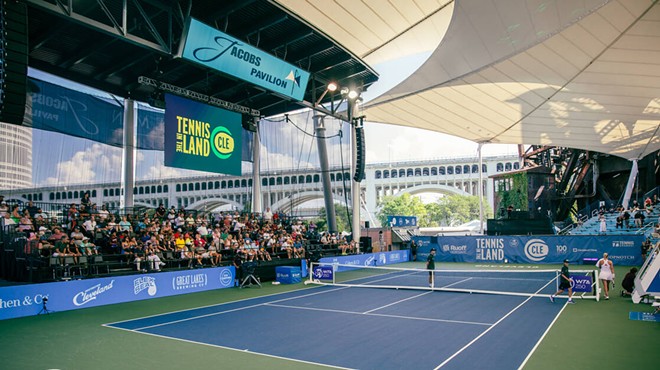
[576, 73]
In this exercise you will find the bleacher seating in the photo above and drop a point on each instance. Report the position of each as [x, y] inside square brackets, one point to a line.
[592, 225]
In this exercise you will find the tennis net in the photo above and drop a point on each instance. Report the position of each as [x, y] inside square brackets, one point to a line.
[517, 282]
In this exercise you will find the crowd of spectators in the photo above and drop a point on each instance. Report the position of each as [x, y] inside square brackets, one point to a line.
[632, 217]
[162, 234]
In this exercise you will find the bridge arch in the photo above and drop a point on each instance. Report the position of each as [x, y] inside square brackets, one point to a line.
[287, 204]
[432, 188]
[209, 204]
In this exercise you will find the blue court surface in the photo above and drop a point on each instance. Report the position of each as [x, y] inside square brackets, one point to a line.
[368, 328]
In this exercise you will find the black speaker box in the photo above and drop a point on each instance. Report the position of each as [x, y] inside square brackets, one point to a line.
[14, 61]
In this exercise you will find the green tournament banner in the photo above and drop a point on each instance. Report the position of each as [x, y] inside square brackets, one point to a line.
[217, 50]
[202, 137]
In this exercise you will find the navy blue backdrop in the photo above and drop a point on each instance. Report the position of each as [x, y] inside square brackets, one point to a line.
[622, 250]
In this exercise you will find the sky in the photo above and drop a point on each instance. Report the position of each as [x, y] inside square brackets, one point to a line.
[61, 160]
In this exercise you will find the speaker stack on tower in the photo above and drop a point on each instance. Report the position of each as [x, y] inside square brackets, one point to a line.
[361, 151]
[13, 61]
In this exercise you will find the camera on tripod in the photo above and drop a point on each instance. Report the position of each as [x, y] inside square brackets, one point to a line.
[44, 308]
[248, 271]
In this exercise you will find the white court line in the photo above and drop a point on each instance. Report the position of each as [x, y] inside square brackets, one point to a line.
[397, 302]
[234, 310]
[207, 306]
[234, 349]
[542, 336]
[458, 282]
[378, 314]
[490, 328]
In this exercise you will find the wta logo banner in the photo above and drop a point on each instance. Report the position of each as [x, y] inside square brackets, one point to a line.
[202, 137]
[217, 50]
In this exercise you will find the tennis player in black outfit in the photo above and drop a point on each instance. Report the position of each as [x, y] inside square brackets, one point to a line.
[564, 283]
[430, 265]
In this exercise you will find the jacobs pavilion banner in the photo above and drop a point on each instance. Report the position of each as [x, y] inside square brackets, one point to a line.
[211, 48]
[202, 137]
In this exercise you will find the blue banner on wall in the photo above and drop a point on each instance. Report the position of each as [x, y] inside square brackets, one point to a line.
[70, 112]
[27, 300]
[217, 50]
[622, 250]
[202, 137]
[369, 259]
[402, 221]
[56, 108]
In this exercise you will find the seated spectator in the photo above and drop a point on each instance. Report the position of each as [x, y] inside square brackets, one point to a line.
[15, 214]
[56, 235]
[87, 248]
[619, 222]
[3, 208]
[298, 248]
[161, 212]
[628, 283]
[77, 235]
[214, 256]
[103, 213]
[262, 252]
[89, 227]
[25, 224]
[648, 205]
[154, 261]
[200, 249]
[626, 218]
[124, 225]
[32, 209]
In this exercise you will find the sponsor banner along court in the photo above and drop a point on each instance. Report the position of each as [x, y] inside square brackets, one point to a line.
[370, 259]
[27, 300]
[623, 250]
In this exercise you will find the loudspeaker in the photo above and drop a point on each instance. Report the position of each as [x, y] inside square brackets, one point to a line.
[13, 66]
[366, 224]
[365, 244]
[249, 123]
[361, 154]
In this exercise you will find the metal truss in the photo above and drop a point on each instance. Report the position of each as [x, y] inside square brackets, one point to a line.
[113, 16]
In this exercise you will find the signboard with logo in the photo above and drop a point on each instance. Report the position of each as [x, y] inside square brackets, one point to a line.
[402, 221]
[369, 259]
[217, 50]
[27, 300]
[202, 137]
[622, 250]
[581, 283]
[288, 274]
[323, 273]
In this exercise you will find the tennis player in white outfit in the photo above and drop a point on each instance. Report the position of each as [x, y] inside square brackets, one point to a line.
[606, 274]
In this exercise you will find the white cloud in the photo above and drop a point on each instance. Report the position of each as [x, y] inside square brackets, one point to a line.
[86, 165]
[161, 172]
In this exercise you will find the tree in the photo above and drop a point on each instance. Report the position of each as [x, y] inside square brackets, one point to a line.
[404, 205]
[454, 210]
[343, 216]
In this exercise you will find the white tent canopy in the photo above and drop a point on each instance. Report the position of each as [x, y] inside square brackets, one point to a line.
[577, 73]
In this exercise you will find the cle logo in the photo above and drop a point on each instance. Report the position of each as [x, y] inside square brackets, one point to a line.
[222, 142]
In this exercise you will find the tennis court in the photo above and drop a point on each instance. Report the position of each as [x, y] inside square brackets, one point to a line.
[372, 328]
